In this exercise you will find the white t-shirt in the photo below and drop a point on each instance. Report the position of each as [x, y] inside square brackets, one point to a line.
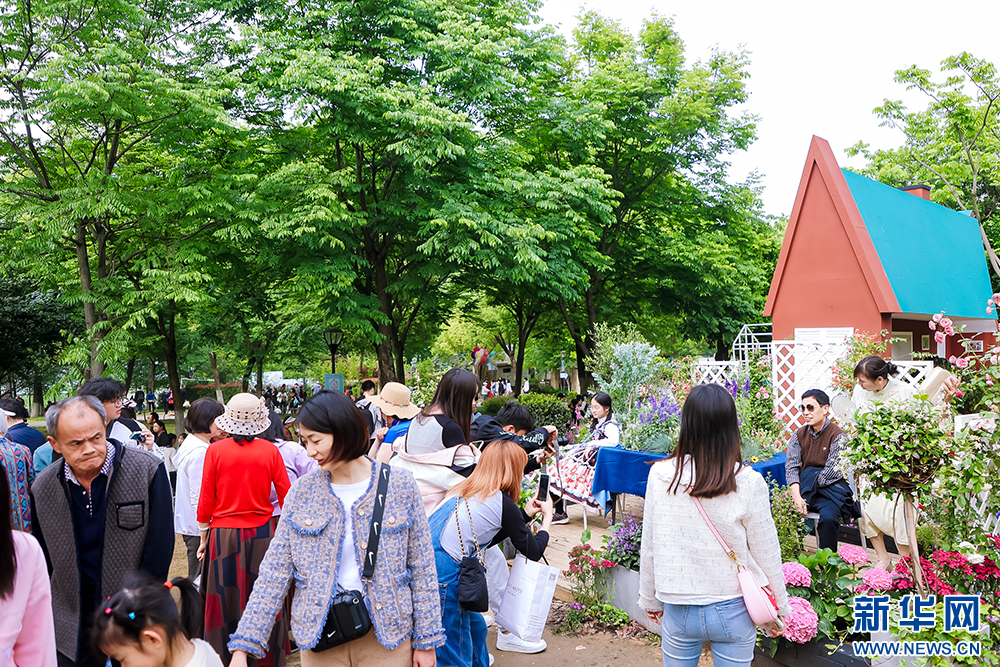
[204, 655]
[348, 572]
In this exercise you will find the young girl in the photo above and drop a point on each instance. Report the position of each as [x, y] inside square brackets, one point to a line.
[140, 626]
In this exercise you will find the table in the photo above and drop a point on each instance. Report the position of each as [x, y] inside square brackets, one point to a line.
[626, 471]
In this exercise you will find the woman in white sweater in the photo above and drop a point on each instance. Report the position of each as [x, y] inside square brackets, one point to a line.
[687, 583]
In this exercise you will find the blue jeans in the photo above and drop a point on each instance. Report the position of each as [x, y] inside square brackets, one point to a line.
[726, 625]
[465, 630]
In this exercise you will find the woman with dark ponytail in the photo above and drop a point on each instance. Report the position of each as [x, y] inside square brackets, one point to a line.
[142, 625]
[27, 634]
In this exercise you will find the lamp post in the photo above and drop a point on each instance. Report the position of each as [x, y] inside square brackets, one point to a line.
[333, 339]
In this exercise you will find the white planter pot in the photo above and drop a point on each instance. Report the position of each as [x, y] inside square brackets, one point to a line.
[626, 597]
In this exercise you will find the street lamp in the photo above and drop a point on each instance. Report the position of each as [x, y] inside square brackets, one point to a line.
[333, 339]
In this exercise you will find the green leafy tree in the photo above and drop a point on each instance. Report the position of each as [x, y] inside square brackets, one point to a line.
[95, 100]
[953, 144]
[396, 160]
[660, 130]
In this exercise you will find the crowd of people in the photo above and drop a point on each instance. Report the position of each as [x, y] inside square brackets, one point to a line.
[368, 514]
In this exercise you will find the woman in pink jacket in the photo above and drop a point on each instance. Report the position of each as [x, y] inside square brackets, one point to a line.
[27, 635]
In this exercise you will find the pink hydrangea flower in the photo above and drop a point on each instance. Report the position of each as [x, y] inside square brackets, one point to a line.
[939, 337]
[876, 579]
[801, 625]
[962, 363]
[796, 574]
[852, 554]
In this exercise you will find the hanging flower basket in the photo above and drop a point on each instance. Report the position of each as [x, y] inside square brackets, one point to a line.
[897, 447]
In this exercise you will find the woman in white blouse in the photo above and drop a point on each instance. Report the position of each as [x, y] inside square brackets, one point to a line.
[687, 582]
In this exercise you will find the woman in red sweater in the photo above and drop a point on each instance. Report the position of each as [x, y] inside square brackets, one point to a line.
[234, 514]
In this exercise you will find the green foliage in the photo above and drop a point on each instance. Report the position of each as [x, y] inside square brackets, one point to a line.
[626, 367]
[831, 592]
[989, 655]
[197, 391]
[546, 409]
[491, 406]
[589, 569]
[788, 522]
[899, 446]
[608, 615]
[960, 487]
[623, 543]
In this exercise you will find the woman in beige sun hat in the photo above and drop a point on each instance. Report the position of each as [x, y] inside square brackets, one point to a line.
[397, 409]
[234, 514]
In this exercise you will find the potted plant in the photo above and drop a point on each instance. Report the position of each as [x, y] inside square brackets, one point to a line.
[898, 448]
[622, 547]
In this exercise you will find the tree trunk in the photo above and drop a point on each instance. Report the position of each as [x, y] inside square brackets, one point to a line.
[151, 384]
[584, 343]
[37, 397]
[215, 377]
[260, 375]
[168, 331]
[721, 349]
[129, 370]
[90, 317]
[399, 357]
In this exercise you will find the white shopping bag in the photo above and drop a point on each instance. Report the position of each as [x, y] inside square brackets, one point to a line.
[527, 598]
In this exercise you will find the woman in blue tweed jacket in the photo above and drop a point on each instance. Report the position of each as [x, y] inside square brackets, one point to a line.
[320, 547]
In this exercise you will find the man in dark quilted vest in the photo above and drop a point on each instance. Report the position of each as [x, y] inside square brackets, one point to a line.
[102, 511]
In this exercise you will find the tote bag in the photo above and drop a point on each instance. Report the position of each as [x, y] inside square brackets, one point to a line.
[527, 598]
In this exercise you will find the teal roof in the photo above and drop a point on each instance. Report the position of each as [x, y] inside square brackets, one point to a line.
[933, 256]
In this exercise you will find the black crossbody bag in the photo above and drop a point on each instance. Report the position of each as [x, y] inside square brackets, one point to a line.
[348, 618]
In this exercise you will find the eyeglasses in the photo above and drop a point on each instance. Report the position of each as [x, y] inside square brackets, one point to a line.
[807, 408]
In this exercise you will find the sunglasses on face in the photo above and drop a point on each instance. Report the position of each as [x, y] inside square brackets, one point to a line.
[808, 408]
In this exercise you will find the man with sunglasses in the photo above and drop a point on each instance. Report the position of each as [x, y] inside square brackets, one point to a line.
[812, 469]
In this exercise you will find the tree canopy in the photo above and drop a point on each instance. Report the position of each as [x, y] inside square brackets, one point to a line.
[203, 182]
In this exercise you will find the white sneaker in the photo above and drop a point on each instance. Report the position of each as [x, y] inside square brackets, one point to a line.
[491, 659]
[508, 641]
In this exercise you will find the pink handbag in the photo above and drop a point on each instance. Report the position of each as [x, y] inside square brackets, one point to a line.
[760, 601]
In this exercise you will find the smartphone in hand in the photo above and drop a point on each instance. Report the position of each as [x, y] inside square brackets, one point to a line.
[543, 487]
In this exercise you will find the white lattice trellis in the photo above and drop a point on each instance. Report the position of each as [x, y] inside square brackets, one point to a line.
[706, 372]
[797, 366]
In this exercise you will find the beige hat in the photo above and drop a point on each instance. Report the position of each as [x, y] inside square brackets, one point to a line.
[245, 415]
[394, 399]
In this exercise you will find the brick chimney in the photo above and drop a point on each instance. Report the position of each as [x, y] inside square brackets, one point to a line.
[921, 190]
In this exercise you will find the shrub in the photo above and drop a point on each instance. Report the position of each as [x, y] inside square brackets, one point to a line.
[608, 615]
[546, 409]
[788, 522]
[622, 545]
[208, 391]
[491, 406]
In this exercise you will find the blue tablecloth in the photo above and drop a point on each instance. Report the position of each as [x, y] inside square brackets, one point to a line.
[625, 471]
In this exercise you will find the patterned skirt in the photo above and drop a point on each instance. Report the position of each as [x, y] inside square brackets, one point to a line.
[232, 563]
[573, 478]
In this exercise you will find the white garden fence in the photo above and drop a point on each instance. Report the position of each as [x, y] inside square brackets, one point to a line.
[796, 365]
